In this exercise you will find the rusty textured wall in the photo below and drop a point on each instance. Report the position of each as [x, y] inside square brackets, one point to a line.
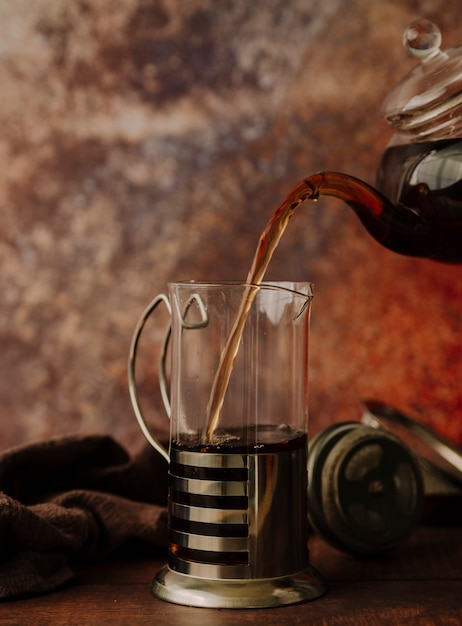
[144, 141]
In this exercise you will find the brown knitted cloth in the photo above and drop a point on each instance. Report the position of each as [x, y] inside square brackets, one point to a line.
[71, 499]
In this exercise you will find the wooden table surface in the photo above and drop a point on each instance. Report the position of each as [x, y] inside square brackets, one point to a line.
[419, 584]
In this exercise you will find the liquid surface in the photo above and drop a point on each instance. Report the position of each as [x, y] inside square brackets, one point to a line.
[261, 439]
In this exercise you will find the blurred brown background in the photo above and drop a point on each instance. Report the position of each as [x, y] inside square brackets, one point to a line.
[145, 141]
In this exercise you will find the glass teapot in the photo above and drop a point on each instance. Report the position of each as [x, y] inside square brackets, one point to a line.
[417, 209]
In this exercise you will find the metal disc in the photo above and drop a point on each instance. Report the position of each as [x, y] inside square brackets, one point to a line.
[366, 488]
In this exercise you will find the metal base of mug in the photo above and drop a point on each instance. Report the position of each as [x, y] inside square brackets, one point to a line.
[237, 594]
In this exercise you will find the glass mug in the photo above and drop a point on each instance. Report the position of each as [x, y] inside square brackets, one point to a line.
[238, 529]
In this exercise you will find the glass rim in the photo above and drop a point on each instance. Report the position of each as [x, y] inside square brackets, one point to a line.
[292, 286]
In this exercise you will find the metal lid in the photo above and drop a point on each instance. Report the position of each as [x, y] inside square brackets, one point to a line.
[427, 103]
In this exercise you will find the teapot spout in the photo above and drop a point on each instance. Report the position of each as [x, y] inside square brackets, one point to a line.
[399, 228]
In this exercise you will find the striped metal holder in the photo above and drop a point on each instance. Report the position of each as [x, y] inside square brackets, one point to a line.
[238, 531]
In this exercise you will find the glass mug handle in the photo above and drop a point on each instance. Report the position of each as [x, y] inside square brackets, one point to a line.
[162, 375]
[203, 322]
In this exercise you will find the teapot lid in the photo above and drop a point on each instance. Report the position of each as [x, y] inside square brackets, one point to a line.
[427, 103]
